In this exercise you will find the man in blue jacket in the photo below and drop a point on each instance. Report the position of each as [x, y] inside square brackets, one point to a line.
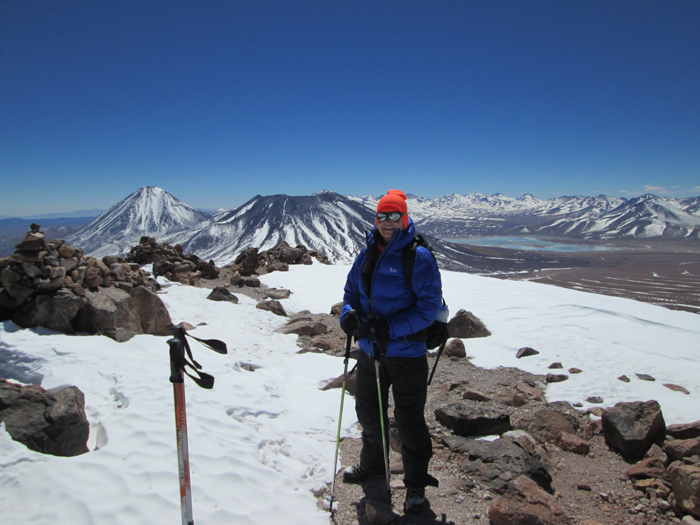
[390, 321]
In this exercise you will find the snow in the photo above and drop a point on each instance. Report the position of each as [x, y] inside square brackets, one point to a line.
[261, 441]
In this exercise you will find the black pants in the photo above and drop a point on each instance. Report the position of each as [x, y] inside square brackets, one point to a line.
[408, 378]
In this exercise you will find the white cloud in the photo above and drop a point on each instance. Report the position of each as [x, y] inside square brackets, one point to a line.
[655, 189]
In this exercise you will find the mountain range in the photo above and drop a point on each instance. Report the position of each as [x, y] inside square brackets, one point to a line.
[337, 225]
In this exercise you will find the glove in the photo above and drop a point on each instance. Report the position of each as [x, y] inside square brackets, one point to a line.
[350, 323]
[379, 333]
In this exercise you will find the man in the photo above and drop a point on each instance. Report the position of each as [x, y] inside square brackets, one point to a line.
[390, 317]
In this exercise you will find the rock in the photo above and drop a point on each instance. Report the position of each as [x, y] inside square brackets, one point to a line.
[272, 306]
[208, 269]
[47, 422]
[337, 309]
[34, 241]
[221, 293]
[290, 255]
[677, 388]
[647, 468]
[677, 449]
[274, 293]
[546, 424]
[595, 400]
[526, 352]
[110, 312]
[632, 428]
[512, 398]
[152, 313]
[684, 430]
[497, 462]
[455, 348]
[304, 327]
[350, 384]
[656, 452]
[522, 438]
[52, 311]
[556, 378]
[526, 503]
[685, 480]
[469, 420]
[252, 282]
[466, 325]
[532, 393]
[555, 365]
[645, 377]
[247, 261]
[475, 395]
[571, 443]
[16, 284]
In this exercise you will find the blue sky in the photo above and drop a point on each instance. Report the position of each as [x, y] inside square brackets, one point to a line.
[217, 101]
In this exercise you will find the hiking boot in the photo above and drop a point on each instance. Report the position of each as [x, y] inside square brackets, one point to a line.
[359, 472]
[415, 500]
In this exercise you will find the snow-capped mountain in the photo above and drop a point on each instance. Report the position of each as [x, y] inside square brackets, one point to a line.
[643, 217]
[324, 221]
[149, 211]
[336, 225]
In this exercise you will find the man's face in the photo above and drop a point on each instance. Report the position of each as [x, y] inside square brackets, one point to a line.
[387, 227]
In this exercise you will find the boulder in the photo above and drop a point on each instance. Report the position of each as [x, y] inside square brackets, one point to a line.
[466, 325]
[497, 462]
[681, 448]
[152, 313]
[53, 311]
[108, 311]
[684, 430]
[546, 424]
[17, 284]
[221, 293]
[632, 428]
[350, 383]
[526, 352]
[304, 327]
[272, 306]
[247, 261]
[647, 468]
[473, 420]
[455, 348]
[50, 422]
[571, 443]
[685, 480]
[526, 503]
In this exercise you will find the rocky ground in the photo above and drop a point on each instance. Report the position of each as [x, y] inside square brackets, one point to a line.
[591, 488]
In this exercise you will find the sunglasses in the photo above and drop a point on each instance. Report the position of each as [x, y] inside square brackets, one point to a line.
[392, 216]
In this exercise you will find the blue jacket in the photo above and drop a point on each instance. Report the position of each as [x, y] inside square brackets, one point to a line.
[406, 309]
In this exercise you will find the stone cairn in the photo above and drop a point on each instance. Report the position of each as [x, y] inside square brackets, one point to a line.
[171, 262]
[54, 285]
[251, 261]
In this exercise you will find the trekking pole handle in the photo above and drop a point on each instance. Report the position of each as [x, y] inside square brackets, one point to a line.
[176, 350]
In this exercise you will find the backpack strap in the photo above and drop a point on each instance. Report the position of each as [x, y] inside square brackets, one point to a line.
[409, 257]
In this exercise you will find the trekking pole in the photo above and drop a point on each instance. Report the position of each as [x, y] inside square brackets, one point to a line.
[381, 419]
[437, 358]
[178, 361]
[340, 416]
[183, 458]
[381, 411]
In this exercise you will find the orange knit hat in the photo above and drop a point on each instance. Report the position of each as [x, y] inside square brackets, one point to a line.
[394, 200]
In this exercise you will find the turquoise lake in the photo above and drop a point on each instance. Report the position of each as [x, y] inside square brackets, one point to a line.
[528, 243]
